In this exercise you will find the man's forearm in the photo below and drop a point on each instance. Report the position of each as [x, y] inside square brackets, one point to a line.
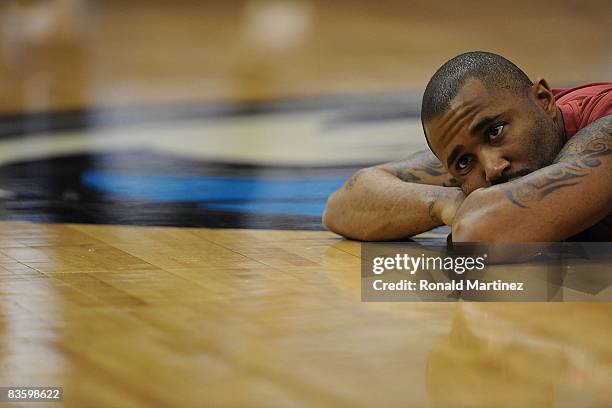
[516, 213]
[374, 205]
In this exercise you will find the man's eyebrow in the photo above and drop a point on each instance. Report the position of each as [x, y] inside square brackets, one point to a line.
[453, 155]
[483, 123]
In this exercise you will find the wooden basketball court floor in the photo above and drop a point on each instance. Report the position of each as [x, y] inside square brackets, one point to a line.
[123, 304]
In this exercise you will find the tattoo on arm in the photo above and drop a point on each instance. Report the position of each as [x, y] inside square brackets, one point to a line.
[411, 173]
[352, 180]
[575, 161]
[422, 168]
[432, 198]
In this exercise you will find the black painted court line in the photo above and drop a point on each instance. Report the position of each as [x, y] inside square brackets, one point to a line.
[56, 190]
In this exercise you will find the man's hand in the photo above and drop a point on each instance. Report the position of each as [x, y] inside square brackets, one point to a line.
[394, 200]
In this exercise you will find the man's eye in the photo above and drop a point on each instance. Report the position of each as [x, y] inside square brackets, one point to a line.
[464, 162]
[495, 132]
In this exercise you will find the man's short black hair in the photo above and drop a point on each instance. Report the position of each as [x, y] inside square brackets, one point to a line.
[493, 70]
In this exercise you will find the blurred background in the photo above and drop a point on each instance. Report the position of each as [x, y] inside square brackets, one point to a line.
[63, 54]
[295, 93]
[248, 114]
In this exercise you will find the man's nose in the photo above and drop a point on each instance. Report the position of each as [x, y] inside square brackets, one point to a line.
[494, 167]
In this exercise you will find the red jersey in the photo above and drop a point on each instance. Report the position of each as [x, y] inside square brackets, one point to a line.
[583, 105]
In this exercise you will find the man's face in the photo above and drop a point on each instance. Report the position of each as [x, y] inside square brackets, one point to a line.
[491, 136]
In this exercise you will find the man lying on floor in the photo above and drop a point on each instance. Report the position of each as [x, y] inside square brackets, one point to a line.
[510, 161]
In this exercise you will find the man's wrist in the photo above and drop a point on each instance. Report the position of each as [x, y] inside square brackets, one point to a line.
[447, 205]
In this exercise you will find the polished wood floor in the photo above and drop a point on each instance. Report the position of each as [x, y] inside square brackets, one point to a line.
[124, 316]
[128, 316]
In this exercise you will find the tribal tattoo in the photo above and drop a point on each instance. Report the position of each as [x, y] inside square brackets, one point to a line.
[424, 168]
[575, 161]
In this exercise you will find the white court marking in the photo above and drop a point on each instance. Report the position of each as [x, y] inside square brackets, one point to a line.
[281, 139]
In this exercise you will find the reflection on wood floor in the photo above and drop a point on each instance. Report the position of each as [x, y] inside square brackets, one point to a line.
[135, 316]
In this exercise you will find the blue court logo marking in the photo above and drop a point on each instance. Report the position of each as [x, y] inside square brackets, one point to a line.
[288, 195]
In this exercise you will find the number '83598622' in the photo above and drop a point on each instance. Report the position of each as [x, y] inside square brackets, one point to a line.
[31, 394]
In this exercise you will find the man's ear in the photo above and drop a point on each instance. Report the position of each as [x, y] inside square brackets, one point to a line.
[543, 96]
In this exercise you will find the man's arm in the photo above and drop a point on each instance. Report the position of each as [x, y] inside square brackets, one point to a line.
[550, 204]
[394, 200]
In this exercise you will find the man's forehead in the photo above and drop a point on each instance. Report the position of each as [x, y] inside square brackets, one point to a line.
[472, 92]
[473, 100]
